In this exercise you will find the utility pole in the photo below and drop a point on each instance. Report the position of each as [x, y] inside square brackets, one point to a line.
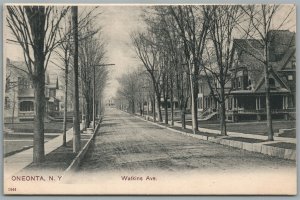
[76, 126]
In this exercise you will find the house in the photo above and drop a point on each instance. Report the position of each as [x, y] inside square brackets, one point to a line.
[246, 99]
[19, 93]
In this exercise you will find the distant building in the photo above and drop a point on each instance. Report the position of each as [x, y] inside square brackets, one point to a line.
[246, 99]
[19, 93]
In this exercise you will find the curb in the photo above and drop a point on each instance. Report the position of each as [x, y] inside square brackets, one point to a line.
[77, 160]
[288, 154]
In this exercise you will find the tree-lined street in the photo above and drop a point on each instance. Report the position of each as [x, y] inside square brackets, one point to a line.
[93, 90]
[125, 142]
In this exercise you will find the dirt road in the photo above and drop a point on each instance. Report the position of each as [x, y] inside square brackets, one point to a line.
[128, 143]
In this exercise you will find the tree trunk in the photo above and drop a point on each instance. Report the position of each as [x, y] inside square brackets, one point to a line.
[183, 125]
[268, 103]
[82, 108]
[87, 112]
[37, 23]
[94, 98]
[132, 107]
[143, 109]
[192, 88]
[66, 107]
[223, 112]
[172, 103]
[148, 109]
[154, 110]
[158, 101]
[195, 106]
[38, 137]
[166, 110]
[76, 126]
[14, 107]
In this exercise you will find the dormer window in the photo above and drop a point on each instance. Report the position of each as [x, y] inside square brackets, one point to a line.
[272, 82]
[239, 82]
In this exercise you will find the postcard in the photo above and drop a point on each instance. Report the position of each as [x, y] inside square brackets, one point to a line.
[158, 99]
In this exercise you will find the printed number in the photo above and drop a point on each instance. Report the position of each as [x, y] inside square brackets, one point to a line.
[12, 189]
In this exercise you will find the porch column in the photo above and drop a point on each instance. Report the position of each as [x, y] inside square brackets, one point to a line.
[285, 106]
[283, 102]
[258, 117]
[256, 103]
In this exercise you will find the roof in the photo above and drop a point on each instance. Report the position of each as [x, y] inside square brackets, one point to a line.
[19, 69]
[281, 41]
[249, 51]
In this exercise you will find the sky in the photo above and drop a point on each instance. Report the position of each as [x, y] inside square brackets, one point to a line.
[117, 23]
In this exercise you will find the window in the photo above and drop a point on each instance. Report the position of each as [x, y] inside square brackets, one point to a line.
[290, 77]
[272, 82]
[239, 82]
[26, 106]
[278, 57]
[233, 84]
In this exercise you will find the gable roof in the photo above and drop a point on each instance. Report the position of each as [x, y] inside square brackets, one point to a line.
[274, 75]
[19, 69]
[248, 47]
[282, 43]
[247, 52]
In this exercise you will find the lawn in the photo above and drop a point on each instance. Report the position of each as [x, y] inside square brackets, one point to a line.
[251, 127]
[59, 159]
[14, 143]
[27, 127]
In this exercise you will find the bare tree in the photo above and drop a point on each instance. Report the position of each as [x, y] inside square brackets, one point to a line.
[261, 18]
[173, 70]
[130, 86]
[146, 49]
[224, 20]
[76, 125]
[92, 52]
[35, 29]
[193, 26]
[64, 52]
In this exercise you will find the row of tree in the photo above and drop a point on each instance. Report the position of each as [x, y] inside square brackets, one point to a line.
[182, 43]
[69, 40]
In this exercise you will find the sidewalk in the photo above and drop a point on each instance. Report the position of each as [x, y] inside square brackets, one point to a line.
[18, 161]
[281, 147]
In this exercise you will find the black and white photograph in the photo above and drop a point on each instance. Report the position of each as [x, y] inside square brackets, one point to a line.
[149, 99]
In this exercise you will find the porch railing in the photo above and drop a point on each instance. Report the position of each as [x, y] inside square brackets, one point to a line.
[253, 111]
